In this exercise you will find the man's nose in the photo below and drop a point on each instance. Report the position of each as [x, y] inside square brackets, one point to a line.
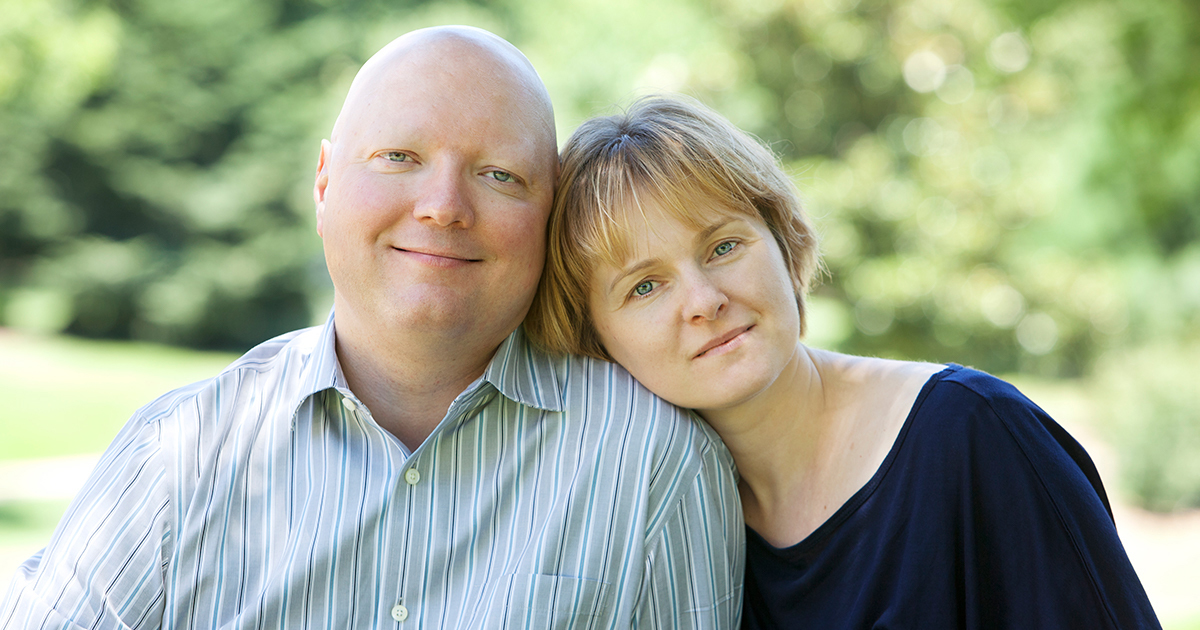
[443, 200]
[705, 299]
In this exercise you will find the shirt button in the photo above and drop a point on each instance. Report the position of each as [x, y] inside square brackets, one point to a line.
[399, 612]
[349, 404]
[412, 476]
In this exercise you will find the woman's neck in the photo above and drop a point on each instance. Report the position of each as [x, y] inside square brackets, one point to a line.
[816, 436]
[779, 440]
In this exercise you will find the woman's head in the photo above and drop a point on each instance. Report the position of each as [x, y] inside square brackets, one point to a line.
[672, 154]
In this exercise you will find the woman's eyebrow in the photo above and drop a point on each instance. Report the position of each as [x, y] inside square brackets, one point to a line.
[632, 269]
[703, 235]
[645, 263]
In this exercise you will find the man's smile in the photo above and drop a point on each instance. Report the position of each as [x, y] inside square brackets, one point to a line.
[437, 257]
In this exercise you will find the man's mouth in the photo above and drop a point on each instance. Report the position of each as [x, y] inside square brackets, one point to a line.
[438, 258]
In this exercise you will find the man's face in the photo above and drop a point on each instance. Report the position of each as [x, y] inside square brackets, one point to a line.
[433, 197]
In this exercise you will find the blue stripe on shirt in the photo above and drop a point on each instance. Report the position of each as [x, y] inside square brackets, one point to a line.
[555, 490]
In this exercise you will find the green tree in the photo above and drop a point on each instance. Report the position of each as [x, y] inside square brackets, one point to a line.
[996, 182]
[1009, 184]
[158, 161]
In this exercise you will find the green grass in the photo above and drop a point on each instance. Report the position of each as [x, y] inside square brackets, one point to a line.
[28, 521]
[66, 396]
[1189, 624]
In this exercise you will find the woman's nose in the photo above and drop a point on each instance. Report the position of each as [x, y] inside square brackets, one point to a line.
[705, 300]
[442, 200]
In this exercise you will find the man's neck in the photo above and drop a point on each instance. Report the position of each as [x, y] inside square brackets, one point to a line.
[407, 381]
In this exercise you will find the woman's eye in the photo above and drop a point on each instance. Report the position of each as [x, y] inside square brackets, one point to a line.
[723, 248]
[643, 288]
[396, 156]
[502, 176]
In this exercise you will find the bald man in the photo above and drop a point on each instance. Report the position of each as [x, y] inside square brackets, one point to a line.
[413, 462]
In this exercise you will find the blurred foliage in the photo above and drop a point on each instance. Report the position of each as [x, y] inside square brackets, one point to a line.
[1014, 185]
[1011, 184]
[70, 396]
[151, 152]
[1150, 411]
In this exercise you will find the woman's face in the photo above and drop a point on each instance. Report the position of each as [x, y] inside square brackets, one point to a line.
[706, 316]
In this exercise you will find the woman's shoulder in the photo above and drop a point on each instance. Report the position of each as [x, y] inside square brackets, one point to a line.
[891, 392]
[875, 388]
[951, 405]
[874, 376]
[990, 419]
[975, 391]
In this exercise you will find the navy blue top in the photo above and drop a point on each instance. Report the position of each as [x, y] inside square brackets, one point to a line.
[985, 514]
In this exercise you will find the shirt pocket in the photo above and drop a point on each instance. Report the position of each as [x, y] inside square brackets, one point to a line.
[536, 601]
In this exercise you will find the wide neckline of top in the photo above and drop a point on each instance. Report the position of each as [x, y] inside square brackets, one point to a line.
[856, 500]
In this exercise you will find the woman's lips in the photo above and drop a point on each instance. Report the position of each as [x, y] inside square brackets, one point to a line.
[726, 341]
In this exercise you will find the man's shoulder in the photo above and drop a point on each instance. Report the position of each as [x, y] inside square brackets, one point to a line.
[603, 392]
[664, 457]
[269, 364]
[623, 430]
[300, 341]
[589, 384]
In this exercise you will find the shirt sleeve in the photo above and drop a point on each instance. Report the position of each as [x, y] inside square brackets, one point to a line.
[103, 566]
[1040, 546]
[694, 564]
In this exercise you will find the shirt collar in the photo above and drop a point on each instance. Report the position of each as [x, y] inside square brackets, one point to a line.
[321, 368]
[525, 374]
[518, 370]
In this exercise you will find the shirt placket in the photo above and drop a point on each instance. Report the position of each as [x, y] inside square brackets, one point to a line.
[417, 496]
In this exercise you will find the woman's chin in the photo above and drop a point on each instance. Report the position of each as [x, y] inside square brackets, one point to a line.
[716, 394]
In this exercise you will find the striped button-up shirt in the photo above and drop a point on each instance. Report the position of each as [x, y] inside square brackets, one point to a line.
[556, 492]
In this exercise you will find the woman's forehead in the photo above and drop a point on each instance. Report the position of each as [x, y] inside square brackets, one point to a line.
[629, 226]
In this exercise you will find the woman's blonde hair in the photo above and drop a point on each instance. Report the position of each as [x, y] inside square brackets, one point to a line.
[682, 157]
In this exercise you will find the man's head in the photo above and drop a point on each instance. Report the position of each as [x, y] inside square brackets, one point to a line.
[434, 188]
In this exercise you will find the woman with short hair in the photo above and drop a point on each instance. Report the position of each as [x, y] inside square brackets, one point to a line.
[876, 493]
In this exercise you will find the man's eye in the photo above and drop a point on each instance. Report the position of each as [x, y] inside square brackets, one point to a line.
[643, 288]
[397, 156]
[723, 248]
[503, 176]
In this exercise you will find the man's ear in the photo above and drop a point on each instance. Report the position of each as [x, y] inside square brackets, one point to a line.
[321, 183]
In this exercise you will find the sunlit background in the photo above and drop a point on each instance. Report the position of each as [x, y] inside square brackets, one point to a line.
[1012, 185]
